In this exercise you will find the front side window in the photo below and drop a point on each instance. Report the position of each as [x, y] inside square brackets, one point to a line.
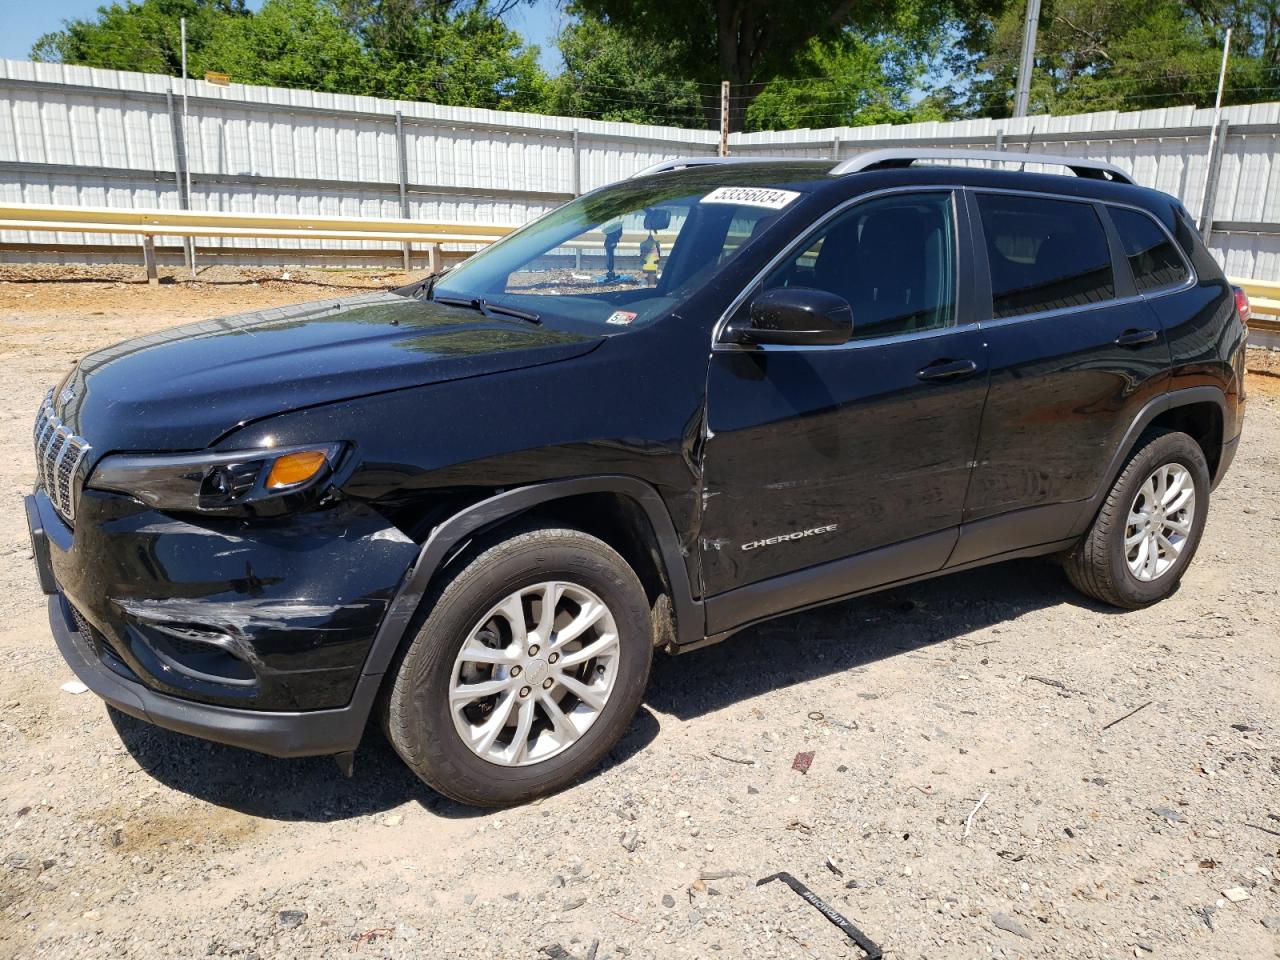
[893, 259]
[1044, 254]
[1155, 262]
[632, 251]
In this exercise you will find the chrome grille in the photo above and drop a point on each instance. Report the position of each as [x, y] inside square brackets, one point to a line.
[59, 453]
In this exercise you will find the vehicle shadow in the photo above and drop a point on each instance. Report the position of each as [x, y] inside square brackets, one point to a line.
[843, 636]
[777, 654]
[311, 788]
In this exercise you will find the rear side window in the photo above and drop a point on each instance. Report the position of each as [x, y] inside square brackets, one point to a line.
[1044, 254]
[1155, 262]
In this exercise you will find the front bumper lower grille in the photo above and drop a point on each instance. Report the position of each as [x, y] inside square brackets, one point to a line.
[96, 642]
[59, 454]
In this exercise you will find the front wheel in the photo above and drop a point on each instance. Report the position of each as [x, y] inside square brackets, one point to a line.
[527, 670]
[1149, 527]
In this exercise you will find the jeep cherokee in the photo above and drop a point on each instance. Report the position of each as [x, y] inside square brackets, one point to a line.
[714, 393]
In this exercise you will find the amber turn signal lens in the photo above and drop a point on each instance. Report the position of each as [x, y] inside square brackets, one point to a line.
[295, 468]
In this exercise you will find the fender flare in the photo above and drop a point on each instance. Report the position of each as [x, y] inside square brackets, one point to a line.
[1153, 408]
[449, 535]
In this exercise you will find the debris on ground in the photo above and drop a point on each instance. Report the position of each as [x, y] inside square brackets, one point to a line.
[968, 823]
[868, 947]
[1128, 715]
[731, 755]
[803, 761]
[1007, 923]
[1168, 813]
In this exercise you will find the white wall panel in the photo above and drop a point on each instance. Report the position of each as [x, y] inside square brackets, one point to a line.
[510, 167]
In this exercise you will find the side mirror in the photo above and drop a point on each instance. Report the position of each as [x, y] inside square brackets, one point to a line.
[800, 316]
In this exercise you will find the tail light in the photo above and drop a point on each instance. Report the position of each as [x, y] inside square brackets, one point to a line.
[1242, 304]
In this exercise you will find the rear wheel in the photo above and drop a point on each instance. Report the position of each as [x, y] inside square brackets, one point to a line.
[1149, 527]
[527, 670]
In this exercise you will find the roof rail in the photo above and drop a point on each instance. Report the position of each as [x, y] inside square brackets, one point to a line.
[679, 163]
[905, 156]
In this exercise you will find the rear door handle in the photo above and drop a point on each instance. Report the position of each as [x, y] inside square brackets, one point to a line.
[946, 370]
[1136, 338]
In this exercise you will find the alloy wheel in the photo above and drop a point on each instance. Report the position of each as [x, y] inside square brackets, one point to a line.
[534, 674]
[1160, 521]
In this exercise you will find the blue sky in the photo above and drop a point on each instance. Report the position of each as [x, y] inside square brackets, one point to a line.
[24, 21]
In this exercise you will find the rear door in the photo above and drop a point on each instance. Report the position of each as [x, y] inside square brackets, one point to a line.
[820, 453]
[1074, 354]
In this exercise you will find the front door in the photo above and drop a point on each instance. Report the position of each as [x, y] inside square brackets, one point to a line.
[816, 454]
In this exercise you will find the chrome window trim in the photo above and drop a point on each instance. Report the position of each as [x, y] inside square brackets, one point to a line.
[996, 322]
[1191, 281]
[815, 227]
[889, 338]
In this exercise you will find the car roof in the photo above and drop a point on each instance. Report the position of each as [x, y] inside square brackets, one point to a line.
[878, 169]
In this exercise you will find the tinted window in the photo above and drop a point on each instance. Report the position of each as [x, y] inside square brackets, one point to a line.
[893, 259]
[1044, 254]
[630, 252]
[1151, 254]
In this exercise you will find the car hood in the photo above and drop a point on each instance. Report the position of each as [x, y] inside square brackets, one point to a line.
[183, 388]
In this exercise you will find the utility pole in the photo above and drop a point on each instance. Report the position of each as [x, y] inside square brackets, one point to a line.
[724, 118]
[189, 242]
[1213, 161]
[1027, 63]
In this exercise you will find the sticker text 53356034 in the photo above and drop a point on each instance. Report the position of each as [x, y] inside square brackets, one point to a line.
[769, 197]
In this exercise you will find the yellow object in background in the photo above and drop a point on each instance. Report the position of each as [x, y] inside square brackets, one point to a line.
[650, 253]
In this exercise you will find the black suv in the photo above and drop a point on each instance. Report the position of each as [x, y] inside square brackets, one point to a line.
[711, 394]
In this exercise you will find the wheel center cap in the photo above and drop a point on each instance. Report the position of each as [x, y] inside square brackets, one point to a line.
[536, 671]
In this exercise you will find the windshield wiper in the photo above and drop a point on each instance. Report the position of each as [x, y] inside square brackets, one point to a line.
[488, 309]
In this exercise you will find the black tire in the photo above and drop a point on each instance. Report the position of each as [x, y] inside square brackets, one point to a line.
[416, 713]
[1098, 566]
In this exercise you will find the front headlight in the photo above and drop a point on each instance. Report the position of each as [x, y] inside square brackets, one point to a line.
[216, 482]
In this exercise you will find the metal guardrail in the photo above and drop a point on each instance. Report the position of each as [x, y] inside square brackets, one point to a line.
[1264, 311]
[150, 224]
[1264, 296]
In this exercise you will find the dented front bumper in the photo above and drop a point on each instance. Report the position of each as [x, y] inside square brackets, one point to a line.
[279, 733]
[253, 616]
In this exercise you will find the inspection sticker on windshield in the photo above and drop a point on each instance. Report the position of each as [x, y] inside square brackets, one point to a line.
[620, 318]
[751, 197]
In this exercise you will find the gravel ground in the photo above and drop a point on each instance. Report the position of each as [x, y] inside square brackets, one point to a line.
[1157, 836]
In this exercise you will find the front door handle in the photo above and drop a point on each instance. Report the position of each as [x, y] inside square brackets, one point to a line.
[1136, 338]
[946, 370]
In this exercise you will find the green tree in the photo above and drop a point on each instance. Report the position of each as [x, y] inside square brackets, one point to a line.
[290, 43]
[469, 58]
[611, 75]
[143, 35]
[1126, 55]
[851, 81]
[455, 52]
[749, 42]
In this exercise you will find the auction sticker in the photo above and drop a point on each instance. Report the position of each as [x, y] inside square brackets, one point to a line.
[620, 318]
[751, 197]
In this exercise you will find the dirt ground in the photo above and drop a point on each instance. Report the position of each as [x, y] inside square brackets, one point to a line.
[978, 704]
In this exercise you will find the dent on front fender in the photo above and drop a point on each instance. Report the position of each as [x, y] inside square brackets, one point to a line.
[293, 603]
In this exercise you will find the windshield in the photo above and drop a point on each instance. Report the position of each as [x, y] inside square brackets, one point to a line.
[629, 252]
